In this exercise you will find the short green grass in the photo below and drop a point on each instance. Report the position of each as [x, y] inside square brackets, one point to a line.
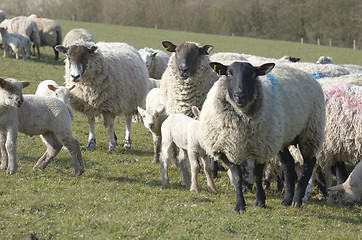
[120, 194]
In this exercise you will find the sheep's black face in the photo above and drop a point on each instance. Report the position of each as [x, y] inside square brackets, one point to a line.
[187, 56]
[78, 57]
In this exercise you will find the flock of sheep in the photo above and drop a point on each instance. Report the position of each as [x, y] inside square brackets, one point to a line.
[230, 108]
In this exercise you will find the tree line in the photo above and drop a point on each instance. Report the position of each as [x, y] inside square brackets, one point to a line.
[326, 20]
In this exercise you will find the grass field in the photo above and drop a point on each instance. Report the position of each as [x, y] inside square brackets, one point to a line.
[120, 194]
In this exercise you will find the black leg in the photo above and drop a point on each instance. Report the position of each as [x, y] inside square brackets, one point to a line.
[341, 172]
[237, 179]
[321, 181]
[214, 167]
[289, 175]
[303, 182]
[260, 194]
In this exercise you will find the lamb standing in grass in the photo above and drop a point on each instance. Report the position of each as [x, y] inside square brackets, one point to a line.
[249, 115]
[35, 115]
[187, 78]
[76, 35]
[51, 88]
[110, 79]
[11, 43]
[155, 60]
[179, 130]
[50, 32]
[25, 43]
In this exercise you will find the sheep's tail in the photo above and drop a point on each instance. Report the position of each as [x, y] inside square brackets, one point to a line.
[70, 112]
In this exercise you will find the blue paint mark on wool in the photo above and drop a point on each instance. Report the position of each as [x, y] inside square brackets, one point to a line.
[273, 82]
[319, 75]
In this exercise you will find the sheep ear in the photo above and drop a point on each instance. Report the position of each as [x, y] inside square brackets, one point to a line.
[161, 110]
[140, 110]
[70, 88]
[61, 49]
[264, 69]
[2, 82]
[219, 68]
[169, 46]
[52, 87]
[196, 111]
[205, 50]
[92, 49]
[25, 84]
[338, 188]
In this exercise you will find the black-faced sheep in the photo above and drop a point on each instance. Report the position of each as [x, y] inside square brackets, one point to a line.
[110, 79]
[35, 115]
[249, 115]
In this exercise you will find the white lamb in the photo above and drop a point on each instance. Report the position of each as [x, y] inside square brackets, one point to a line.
[251, 116]
[187, 78]
[35, 115]
[110, 79]
[25, 43]
[178, 130]
[155, 60]
[11, 43]
[350, 192]
[51, 88]
[76, 35]
[50, 32]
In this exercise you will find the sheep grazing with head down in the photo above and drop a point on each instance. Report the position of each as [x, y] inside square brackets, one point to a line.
[155, 60]
[250, 114]
[187, 78]
[35, 115]
[110, 79]
[77, 34]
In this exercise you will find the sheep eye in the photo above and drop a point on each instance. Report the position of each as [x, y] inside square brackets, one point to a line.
[228, 74]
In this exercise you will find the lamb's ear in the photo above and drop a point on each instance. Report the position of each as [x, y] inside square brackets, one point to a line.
[140, 110]
[264, 69]
[2, 82]
[169, 46]
[205, 50]
[92, 49]
[70, 88]
[161, 110]
[52, 87]
[25, 84]
[338, 188]
[196, 111]
[61, 49]
[219, 68]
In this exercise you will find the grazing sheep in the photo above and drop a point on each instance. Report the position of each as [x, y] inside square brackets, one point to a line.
[155, 60]
[50, 32]
[187, 78]
[24, 25]
[35, 115]
[11, 43]
[78, 34]
[178, 130]
[249, 115]
[350, 192]
[110, 79]
[51, 88]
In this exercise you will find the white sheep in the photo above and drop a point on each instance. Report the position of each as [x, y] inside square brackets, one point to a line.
[155, 60]
[11, 43]
[350, 192]
[35, 115]
[25, 43]
[249, 115]
[325, 60]
[187, 78]
[51, 88]
[178, 130]
[78, 34]
[227, 56]
[24, 25]
[110, 79]
[50, 32]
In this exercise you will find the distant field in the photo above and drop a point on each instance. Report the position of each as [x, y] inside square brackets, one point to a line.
[120, 194]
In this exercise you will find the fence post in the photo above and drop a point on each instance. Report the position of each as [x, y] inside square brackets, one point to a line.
[155, 26]
[330, 42]
[301, 40]
[354, 45]
[318, 42]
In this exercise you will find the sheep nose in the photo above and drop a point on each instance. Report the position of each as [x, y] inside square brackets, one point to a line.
[239, 98]
[184, 72]
[151, 125]
[19, 101]
[76, 78]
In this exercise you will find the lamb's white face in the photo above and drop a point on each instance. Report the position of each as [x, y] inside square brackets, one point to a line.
[147, 59]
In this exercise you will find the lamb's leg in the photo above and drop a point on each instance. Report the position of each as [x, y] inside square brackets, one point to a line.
[237, 180]
[289, 175]
[184, 165]
[11, 149]
[53, 148]
[127, 139]
[208, 172]
[156, 148]
[309, 163]
[73, 147]
[109, 124]
[4, 153]
[166, 155]
[92, 137]
[258, 176]
[194, 171]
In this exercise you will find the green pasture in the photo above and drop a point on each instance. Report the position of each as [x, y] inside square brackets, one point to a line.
[120, 194]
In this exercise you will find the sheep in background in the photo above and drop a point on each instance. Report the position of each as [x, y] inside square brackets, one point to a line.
[325, 60]
[50, 32]
[178, 130]
[25, 43]
[24, 25]
[227, 56]
[350, 192]
[11, 43]
[155, 60]
[51, 88]
[110, 79]
[187, 78]
[78, 34]
[249, 115]
[35, 115]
